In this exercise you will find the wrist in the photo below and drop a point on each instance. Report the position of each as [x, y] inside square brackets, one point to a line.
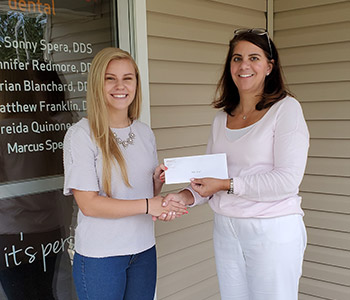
[225, 184]
[230, 189]
[187, 197]
[157, 179]
[147, 206]
[151, 207]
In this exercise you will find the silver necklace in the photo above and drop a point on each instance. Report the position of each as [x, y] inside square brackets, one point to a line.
[128, 141]
[244, 117]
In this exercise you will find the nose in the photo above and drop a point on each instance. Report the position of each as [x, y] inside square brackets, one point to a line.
[119, 85]
[245, 64]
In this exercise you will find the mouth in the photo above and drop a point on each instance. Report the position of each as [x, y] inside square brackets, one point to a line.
[119, 96]
[245, 75]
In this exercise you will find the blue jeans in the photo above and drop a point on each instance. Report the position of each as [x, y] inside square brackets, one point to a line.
[127, 277]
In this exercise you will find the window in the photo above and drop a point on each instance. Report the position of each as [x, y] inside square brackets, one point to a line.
[46, 50]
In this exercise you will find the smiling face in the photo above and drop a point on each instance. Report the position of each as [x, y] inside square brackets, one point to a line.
[120, 85]
[249, 67]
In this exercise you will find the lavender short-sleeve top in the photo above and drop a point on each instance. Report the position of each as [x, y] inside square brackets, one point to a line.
[99, 237]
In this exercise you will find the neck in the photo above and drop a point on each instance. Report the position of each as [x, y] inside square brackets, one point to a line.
[119, 120]
[247, 103]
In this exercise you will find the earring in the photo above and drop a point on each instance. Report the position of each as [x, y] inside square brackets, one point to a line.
[267, 74]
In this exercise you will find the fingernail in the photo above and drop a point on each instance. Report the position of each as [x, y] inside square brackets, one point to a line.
[166, 168]
[163, 204]
[192, 179]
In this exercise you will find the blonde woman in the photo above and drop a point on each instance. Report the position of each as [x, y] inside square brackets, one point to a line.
[111, 169]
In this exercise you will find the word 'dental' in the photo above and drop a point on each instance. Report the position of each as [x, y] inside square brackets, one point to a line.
[32, 6]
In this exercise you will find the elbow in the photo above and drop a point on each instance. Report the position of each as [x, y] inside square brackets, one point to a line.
[87, 212]
[86, 202]
[289, 183]
[280, 186]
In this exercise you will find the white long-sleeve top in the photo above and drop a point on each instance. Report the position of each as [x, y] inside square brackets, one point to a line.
[267, 164]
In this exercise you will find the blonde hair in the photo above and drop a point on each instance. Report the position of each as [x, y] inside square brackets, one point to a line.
[97, 112]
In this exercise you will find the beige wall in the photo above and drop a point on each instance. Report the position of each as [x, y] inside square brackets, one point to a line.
[187, 43]
[314, 42]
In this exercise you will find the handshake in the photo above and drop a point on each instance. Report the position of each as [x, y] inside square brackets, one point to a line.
[171, 206]
[175, 205]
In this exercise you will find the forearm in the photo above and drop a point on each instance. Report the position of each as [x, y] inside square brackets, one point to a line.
[270, 186]
[157, 186]
[158, 179]
[93, 205]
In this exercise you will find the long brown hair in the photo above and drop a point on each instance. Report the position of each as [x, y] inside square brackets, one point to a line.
[227, 94]
[97, 112]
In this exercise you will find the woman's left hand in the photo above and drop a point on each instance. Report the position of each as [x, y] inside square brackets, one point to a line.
[209, 186]
[159, 173]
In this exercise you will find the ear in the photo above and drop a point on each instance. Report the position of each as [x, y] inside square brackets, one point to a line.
[270, 66]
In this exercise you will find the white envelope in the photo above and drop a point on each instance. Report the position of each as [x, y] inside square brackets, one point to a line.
[182, 169]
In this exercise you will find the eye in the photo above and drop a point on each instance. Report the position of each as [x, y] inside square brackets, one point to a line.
[128, 78]
[109, 78]
[236, 59]
[254, 58]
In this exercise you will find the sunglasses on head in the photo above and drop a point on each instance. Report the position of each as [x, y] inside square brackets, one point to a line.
[257, 31]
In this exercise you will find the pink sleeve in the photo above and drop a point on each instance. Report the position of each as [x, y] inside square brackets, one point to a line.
[291, 143]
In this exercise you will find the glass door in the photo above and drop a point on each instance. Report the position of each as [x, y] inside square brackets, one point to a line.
[46, 48]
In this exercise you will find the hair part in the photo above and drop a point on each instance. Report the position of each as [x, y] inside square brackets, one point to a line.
[227, 94]
[97, 112]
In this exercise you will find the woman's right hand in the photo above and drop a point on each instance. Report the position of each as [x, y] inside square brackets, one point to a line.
[157, 208]
[184, 197]
[208, 186]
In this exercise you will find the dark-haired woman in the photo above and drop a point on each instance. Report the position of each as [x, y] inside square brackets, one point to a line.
[259, 234]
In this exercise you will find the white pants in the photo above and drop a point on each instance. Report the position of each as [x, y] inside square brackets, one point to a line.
[259, 259]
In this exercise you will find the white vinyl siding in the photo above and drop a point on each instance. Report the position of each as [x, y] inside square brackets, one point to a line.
[314, 42]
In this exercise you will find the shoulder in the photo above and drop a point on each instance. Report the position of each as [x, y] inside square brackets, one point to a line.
[288, 103]
[219, 119]
[289, 115]
[288, 107]
[78, 131]
[82, 125]
[142, 128]
[220, 116]
[144, 134]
